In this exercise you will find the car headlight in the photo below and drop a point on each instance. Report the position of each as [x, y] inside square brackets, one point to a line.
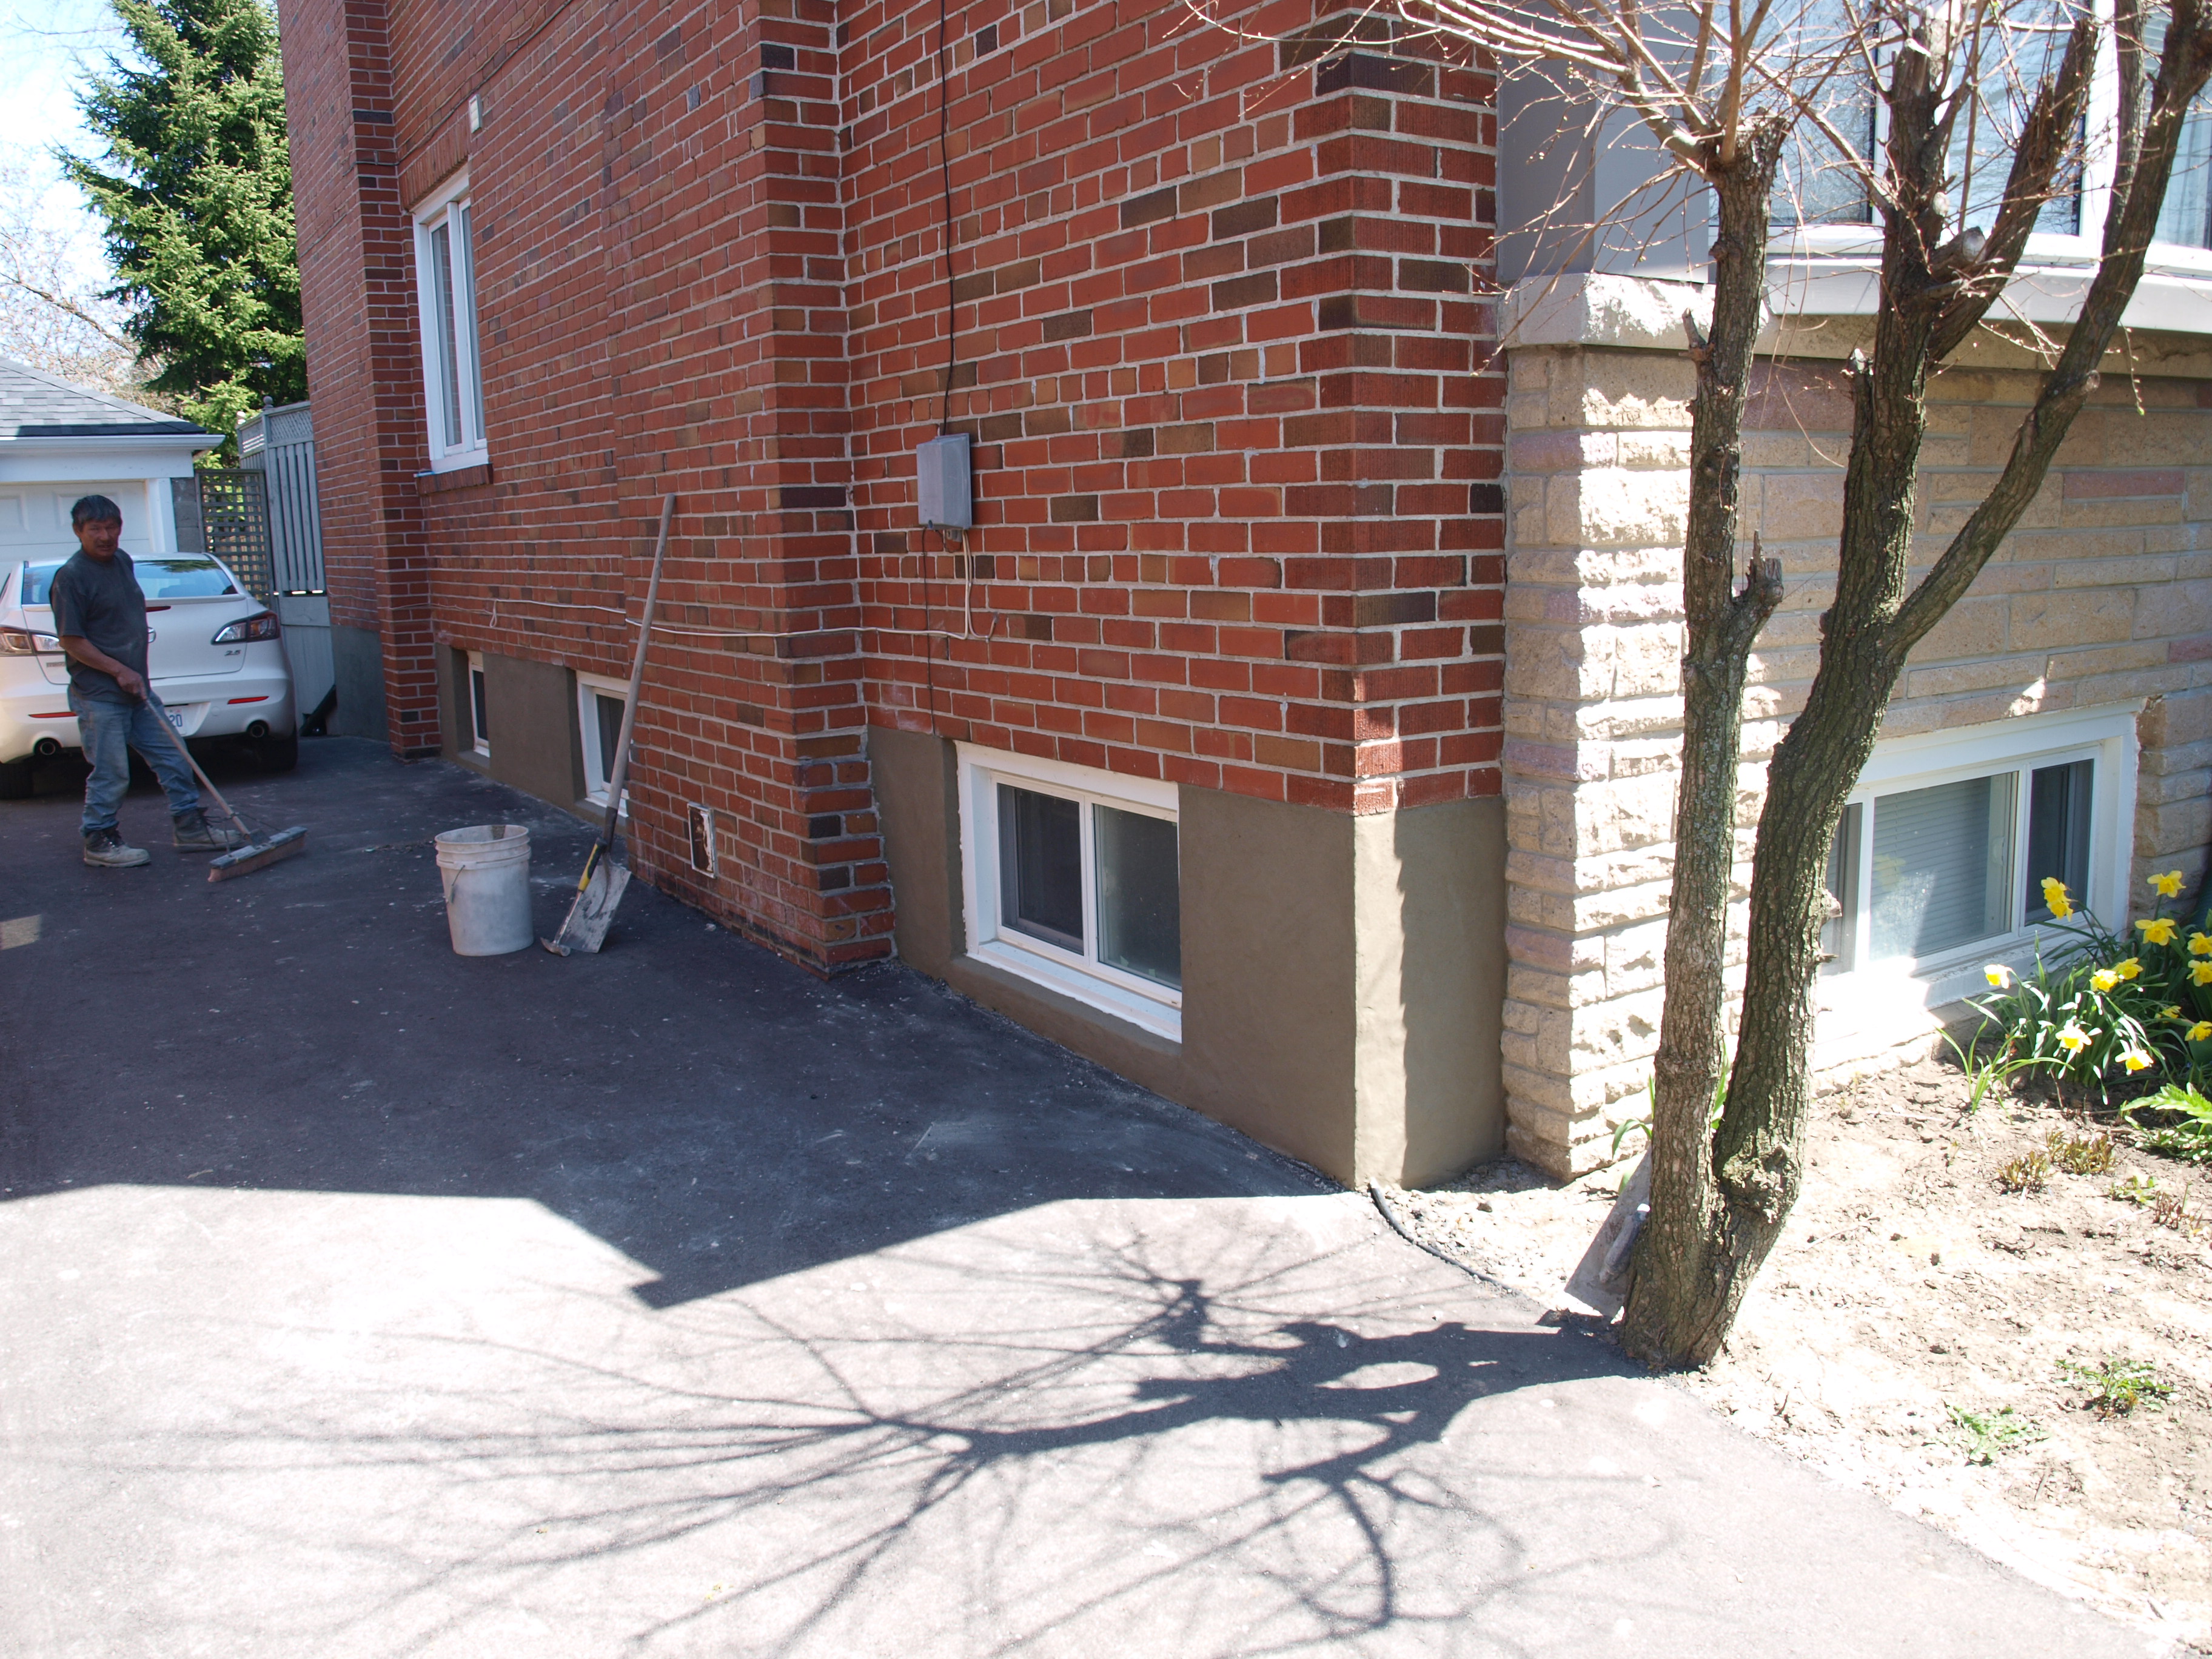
[261, 625]
[21, 642]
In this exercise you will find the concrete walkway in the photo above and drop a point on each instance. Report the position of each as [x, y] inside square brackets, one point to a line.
[359, 1300]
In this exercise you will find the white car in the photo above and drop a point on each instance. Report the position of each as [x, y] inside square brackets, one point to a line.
[215, 653]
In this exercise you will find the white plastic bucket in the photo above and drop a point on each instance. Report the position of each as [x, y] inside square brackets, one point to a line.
[486, 870]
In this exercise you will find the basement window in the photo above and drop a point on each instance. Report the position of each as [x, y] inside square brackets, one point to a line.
[1939, 863]
[599, 705]
[479, 717]
[1073, 879]
[445, 307]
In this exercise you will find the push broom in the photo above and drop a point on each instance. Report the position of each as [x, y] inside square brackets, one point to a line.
[258, 853]
[599, 890]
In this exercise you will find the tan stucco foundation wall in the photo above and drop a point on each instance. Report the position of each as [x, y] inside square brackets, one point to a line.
[531, 709]
[2100, 599]
[1342, 975]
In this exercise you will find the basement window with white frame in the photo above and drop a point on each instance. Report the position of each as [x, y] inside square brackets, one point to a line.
[446, 306]
[478, 712]
[1939, 862]
[1073, 879]
[599, 704]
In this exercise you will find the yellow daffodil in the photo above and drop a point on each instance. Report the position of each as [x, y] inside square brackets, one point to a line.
[1998, 974]
[2201, 1032]
[2129, 968]
[2134, 1059]
[2072, 1038]
[2200, 973]
[2159, 931]
[2168, 884]
[2199, 944]
[2054, 896]
[2171, 1011]
[2105, 979]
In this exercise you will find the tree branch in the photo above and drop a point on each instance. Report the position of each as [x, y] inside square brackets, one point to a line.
[2045, 138]
[2183, 67]
[68, 307]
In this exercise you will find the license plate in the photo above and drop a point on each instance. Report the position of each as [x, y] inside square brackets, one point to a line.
[176, 716]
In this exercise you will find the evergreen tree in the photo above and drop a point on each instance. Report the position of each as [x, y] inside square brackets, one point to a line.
[198, 198]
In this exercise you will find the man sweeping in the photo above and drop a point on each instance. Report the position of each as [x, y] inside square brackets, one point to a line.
[99, 612]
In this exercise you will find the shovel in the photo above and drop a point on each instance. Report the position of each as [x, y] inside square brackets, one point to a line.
[258, 853]
[600, 889]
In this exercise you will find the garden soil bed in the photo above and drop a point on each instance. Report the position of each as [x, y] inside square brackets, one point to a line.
[1910, 1283]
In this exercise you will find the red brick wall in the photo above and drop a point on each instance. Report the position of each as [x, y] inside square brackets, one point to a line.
[1238, 520]
[356, 285]
[1238, 524]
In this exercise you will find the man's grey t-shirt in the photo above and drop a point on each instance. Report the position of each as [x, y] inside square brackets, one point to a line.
[100, 600]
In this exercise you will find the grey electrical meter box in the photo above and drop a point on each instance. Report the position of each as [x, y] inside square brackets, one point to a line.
[946, 495]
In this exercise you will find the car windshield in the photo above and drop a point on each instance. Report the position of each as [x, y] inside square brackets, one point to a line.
[182, 578]
[158, 578]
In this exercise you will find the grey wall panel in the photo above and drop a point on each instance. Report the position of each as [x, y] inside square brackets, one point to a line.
[357, 666]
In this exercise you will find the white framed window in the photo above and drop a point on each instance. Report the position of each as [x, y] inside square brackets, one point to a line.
[1939, 861]
[599, 704]
[1820, 210]
[445, 307]
[477, 707]
[1072, 877]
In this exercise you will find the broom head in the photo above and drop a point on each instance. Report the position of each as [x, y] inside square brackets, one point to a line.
[259, 854]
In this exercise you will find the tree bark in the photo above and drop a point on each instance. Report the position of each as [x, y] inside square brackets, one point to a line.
[1696, 1278]
[1674, 1269]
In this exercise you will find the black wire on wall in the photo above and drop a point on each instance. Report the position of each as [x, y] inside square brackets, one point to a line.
[945, 172]
[951, 329]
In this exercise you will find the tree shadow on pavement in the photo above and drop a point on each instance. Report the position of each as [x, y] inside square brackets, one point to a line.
[720, 1114]
[1172, 1466]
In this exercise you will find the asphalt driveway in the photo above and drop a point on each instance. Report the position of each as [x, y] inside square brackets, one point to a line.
[359, 1300]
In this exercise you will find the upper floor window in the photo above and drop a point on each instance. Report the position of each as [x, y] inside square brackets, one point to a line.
[2185, 219]
[1821, 190]
[445, 301]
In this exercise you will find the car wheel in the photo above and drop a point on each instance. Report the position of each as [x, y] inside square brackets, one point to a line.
[16, 780]
[278, 754]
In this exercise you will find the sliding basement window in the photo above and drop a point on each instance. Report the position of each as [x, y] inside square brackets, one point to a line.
[1073, 880]
[599, 704]
[1938, 865]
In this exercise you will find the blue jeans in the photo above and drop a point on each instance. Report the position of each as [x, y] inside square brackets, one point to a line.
[110, 729]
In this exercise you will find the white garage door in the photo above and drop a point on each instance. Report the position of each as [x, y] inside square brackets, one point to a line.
[34, 520]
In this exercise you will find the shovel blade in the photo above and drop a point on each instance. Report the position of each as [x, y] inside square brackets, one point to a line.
[586, 928]
[259, 854]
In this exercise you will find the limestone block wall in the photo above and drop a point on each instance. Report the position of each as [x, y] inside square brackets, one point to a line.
[2102, 597]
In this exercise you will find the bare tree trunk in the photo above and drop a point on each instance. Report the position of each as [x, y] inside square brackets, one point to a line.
[1674, 1270]
[1681, 1304]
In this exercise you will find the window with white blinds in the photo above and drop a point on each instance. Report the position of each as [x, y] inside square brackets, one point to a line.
[1942, 868]
[1921, 874]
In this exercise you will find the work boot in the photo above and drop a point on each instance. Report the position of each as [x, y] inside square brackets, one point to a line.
[104, 850]
[196, 835]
